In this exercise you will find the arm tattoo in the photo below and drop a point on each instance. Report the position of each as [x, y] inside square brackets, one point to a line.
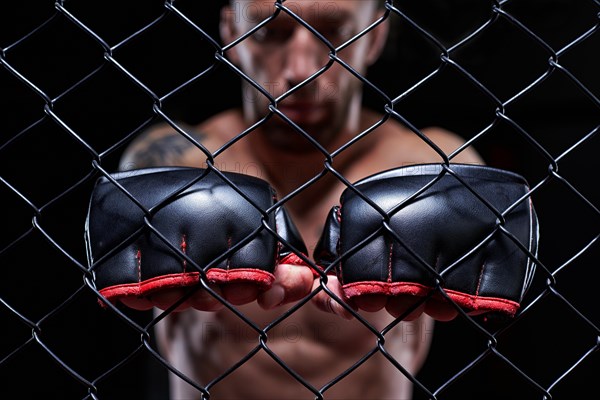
[165, 150]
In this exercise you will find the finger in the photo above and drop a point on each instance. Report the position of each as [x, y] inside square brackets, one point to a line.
[138, 303]
[202, 300]
[324, 302]
[240, 293]
[440, 310]
[371, 302]
[399, 305]
[167, 297]
[292, 283]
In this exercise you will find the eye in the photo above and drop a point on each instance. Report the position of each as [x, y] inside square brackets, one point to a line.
[273, 34]
[337, 33]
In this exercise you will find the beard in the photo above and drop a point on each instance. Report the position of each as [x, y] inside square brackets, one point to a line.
[287, 138]
[301, 137]
[318, 117]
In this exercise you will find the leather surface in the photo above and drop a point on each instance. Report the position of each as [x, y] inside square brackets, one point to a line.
[445, 227]
[203, 218]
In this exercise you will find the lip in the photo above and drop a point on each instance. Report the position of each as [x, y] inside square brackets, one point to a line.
[303, 112]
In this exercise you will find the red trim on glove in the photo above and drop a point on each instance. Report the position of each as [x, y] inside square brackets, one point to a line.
[150, 285]
[140, 289]
[468, 301]
[294, 259]
[263, 278]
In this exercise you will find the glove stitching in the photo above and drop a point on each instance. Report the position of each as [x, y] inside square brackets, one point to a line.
[389, 278]
[470, 301]
[339, 243]
[184, 250]
[274, 199]
[138, 257]
[228, 266]
[279, 244]
[480, 278]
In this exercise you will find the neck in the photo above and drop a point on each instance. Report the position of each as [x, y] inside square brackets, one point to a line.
[288, 170]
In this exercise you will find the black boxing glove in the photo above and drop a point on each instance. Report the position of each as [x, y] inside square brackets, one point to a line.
[203, 218]
[439, 226]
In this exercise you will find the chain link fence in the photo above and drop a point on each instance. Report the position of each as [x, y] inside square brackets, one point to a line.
[80, 79]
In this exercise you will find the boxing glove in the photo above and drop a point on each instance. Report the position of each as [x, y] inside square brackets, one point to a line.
[198, 214]
[401, 230]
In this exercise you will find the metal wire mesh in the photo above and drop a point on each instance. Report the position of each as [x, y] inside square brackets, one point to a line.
[80, 80]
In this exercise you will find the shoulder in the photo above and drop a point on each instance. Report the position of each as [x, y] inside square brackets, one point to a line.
[453, 144]
[183, 145]
[401, 144]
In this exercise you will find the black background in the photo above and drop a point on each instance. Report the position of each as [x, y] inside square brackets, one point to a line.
[48, 167]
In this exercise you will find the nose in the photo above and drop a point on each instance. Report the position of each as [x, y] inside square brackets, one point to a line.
[305, 55]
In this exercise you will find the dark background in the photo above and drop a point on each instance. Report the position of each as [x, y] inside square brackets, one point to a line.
[85, 106]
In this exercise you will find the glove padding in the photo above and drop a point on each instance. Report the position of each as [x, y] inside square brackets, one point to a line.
[203, 220]
[445, 225]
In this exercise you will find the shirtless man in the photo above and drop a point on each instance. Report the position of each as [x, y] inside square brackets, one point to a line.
[321, 340]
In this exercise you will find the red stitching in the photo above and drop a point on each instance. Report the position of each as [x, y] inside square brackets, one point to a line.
[469, 301]
[480, 278]
[390, 261]
[184, 250]
[138, 257]
[228, 248]
[338, 246]
[279, 246]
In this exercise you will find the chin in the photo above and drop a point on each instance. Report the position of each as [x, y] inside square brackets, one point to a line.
[286, 138]
[292, 143]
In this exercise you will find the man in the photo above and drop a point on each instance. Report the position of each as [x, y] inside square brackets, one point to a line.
[320, 340]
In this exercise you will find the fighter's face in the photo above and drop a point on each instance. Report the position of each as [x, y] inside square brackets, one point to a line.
[284, 54]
